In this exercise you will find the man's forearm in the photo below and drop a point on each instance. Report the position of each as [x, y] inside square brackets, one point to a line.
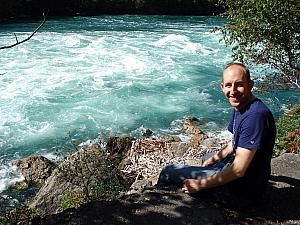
[225, 151]
[220, 155]
[237, 169]
[219, 179]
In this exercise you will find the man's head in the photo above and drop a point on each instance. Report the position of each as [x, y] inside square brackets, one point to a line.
[237, 85]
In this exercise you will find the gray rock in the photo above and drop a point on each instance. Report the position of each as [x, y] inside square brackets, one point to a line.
[170, 138]
[211, 142]
[146, 133]
[197, 139]
[155, 207]
[179, 148]
[287, 164]
[119, 145]
[35, 169]
[81, 169]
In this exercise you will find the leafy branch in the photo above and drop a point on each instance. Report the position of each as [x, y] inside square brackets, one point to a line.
[265, 32]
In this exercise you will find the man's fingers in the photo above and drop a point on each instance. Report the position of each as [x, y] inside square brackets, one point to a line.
[185, 190]
[191, 186]
[184, 186]
[187, 187]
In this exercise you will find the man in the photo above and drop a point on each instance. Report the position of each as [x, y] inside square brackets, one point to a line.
[243, 167]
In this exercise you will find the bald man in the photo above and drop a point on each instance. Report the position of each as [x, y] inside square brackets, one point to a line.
[243, 167]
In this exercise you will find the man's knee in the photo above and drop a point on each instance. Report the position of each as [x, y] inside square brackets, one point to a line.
[166, 174]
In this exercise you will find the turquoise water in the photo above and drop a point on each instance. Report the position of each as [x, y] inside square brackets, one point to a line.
[80, 77]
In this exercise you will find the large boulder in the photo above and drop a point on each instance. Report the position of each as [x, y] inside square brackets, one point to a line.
[287, 164]
[35, 169]
[213, 143]
[76, 179]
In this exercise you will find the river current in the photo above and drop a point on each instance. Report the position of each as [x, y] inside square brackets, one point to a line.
[82, 77]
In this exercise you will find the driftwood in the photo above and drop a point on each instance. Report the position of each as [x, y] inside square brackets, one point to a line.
[147, 157]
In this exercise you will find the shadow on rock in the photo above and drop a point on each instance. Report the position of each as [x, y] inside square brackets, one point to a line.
[280, 205]
[282, 200]
[159, 207]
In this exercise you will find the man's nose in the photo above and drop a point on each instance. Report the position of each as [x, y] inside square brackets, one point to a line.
[233, 88]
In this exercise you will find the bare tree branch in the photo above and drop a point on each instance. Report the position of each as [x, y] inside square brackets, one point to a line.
[26, 39]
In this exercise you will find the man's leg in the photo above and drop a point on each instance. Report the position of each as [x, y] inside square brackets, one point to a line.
[175, 174]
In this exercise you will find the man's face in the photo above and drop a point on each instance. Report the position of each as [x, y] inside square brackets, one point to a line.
[236, 87]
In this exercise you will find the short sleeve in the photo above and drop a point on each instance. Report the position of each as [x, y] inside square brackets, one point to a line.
[230, 125]
[251, 131]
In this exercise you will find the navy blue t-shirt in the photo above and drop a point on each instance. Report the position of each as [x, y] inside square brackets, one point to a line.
[253, 128]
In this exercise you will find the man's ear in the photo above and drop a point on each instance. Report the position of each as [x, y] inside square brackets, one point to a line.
[251, 84]
[222, 85]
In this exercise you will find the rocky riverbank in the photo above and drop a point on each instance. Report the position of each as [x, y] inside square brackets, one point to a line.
[172, 207]
[125, 162]
[116, 185]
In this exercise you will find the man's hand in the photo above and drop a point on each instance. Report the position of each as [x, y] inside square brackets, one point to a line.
[191, 186]
[209, 161]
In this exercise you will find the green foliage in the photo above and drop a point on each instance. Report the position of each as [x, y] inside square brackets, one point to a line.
[266, 32]
[138, 3]
[108, 188]
[288, 132]
[71, 200]
[21, 216]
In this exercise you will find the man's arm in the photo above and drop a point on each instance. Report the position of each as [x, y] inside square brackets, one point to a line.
[220, 155]
[236, 170]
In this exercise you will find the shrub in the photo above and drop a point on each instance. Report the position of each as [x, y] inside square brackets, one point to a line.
[21, 216]
[71, 200]
[265, 32]
[288, 132]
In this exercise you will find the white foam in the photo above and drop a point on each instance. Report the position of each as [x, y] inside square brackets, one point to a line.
[173, 39]
[284, 108]
[90, 142]
[214, 130]
[52, 156]
[192, 47]
[45, 127]
[9, 175]
[131, 63]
